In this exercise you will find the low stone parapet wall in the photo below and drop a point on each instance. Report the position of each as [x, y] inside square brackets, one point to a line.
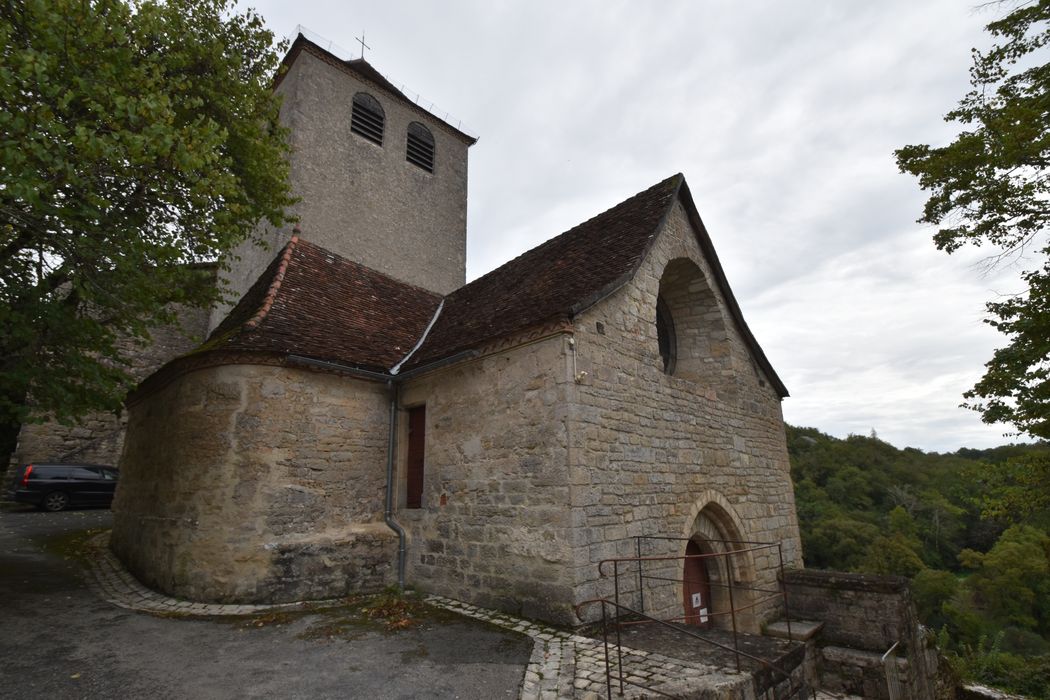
[864, 616]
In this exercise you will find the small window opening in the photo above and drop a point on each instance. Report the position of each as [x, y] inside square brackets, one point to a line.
[367, 118]
[665, 336]
[420, 150]
[417, 437]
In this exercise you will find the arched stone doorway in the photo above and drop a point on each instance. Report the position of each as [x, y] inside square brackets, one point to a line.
[715, 529]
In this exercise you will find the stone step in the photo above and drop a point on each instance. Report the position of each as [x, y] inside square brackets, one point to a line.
[801, 630]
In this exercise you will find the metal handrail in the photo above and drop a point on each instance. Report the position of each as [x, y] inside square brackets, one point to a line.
[730, 548]
[687, 539]
[755, 545]
[619, 648]
[670, 557]
[711, 583]
[891, 674]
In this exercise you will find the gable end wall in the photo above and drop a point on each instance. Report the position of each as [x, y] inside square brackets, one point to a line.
[648, 447]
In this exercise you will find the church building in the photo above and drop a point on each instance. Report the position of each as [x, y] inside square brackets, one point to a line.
[361, 417]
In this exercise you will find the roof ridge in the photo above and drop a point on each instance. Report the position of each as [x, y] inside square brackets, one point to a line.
[275, 284]
[550, 241]
[426, 331]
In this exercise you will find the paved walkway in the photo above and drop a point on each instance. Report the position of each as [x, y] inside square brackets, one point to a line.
[60, 640]
[562, 665]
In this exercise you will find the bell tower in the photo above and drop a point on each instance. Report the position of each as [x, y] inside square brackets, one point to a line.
[381, 180]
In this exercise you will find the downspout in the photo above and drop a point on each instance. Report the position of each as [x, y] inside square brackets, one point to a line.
[388, 516]
[391, 449]
[394, 384]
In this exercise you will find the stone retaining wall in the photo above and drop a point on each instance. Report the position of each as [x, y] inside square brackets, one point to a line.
[864, 616]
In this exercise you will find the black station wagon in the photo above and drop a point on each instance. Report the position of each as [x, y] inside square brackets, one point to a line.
[56, 486]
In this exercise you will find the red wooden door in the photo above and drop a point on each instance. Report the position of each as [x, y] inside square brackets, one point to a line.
[417, 426]
[696, 588]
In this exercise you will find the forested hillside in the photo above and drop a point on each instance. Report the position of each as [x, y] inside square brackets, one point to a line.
[971, 530]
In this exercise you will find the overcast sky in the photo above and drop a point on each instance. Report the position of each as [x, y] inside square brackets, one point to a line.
[783, 118]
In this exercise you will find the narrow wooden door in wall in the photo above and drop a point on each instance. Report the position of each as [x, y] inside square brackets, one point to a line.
[417, 436]
[696, 588]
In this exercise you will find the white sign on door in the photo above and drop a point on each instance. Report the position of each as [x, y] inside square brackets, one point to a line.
[703, 614]
[697, 600]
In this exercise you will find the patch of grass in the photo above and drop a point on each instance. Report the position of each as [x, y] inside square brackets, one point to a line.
[388, 612]
[394, 610]
[69, 545]
[276, 619]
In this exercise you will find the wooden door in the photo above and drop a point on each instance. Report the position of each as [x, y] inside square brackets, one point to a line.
[417, 426]
[696, 588]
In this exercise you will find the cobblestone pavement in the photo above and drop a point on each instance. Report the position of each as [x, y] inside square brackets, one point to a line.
[566, 665]
[110, 580]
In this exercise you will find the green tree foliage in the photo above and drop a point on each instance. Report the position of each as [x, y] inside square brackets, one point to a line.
[970, 528]
[893, 554]
[1012, 580]
[846, 489]
[985, 662]
[932, 589]
[1020, 489]
[138, 139]
[991, 185]
[898, 552]
[838, 542]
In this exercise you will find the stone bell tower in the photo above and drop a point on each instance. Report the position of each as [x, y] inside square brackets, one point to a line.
[381, 180]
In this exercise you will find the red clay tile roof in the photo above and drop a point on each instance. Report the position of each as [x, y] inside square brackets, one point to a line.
[556, 279]
[315, 304]
[571, 272]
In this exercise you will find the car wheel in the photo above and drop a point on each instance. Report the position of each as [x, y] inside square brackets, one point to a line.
[55, 501]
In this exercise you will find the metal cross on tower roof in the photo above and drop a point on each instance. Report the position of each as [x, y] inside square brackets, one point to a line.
[363, 44]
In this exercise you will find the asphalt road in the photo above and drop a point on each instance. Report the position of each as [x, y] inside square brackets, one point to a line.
[58, 640]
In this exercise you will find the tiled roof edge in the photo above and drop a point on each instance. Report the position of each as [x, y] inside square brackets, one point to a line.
[275, 285]
[609, 289]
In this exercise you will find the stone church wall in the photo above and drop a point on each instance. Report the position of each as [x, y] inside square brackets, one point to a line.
[700, 451]
[252, 483]
[494, 526]
[98, 437]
